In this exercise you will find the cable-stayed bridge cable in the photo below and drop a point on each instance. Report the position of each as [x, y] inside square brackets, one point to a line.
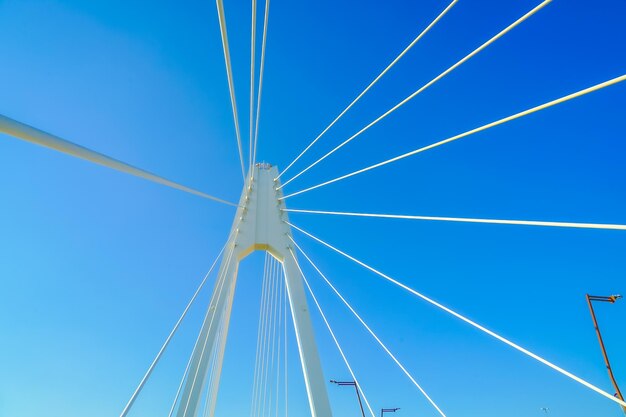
[212, 368]
[212, 384]
[279, 300]
[394, 62]
[185, 373]
[424, 87]
[143, 381]
[371, 332]
[30, 134]
[285, 307]
[269, 339]
[252, 66]
[515, 116]
[216, 296]
[270, 380]
[466, 320]
[332, 333]
[259, 332]
[467, 220]
[182, 380]
[261, 72]
[231, 85]
[263, 341]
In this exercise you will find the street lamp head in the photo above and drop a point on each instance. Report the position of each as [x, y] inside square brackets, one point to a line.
[343, 383]
[615, 297]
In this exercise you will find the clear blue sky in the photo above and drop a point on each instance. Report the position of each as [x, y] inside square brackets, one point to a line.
[95, 266]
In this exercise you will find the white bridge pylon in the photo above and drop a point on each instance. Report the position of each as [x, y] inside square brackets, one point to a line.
[258, 225]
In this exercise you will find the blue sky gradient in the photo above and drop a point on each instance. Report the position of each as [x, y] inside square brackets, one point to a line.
[96, 266]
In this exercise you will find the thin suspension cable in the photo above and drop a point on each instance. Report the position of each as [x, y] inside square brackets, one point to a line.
[215, 349]
[221, 346]
[279, 300]
[467, 220]
[252, 65]
[267, 400]
[213, 365]
[263, 352]
[231, 84]
[258, 338]
[330, 330]
[394, 62]
[216, 368]
[371, 332]
[262, 71]
[467, 320]
[205, 405]
[532, 110]
[273, 344]
[182, 380]
[285, 342]
[217, 294]
[265, 363]
[269, 335]
[425, 86]
[30, 134]
[169, 338]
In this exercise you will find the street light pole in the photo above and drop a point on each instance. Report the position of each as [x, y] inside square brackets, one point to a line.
[610, 299]
[356, 387]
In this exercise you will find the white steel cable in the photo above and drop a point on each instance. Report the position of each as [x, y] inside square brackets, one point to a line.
[210, 382]
[467, 320]
[285, 342]
[262, 71]
[273, 343]
[216, 295]
[532, 110]
[330, 330]
[273, 349]
[231, 84]
[394, 62]
[467, 219]
[252, 66]
[168, 339]
[30, 134]
[258, 341]
[205, 404]
[279, 300]
[274, 340]
[218, 292]
[217, 365]
[258, 337]
[263, 352]
[424, 87]
[263, 349]
[182, 380]
[371, 332]
[269, 340]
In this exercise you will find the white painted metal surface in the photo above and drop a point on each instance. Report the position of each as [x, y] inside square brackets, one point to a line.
[258, 225]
